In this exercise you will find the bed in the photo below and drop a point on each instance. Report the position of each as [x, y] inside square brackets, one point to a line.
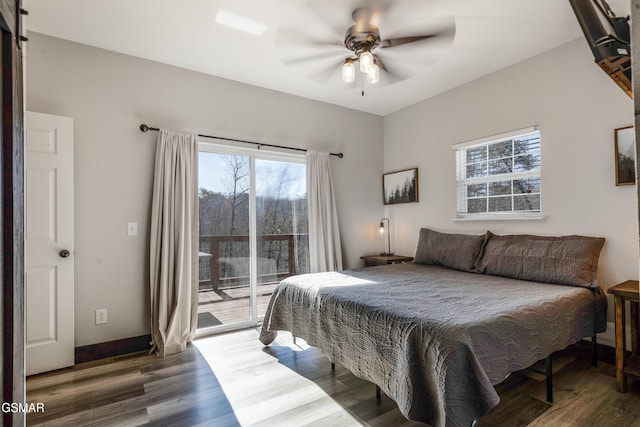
[437, 335]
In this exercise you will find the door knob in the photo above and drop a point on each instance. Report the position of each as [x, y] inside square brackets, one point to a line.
[64, 253]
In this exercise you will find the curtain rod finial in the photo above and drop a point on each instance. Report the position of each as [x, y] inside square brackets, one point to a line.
[340, 155]
[144, 128]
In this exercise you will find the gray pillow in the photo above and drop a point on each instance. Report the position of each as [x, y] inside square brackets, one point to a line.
[457, 251]
[564, 260]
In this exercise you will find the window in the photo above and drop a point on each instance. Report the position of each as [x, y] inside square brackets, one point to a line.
[499, 177]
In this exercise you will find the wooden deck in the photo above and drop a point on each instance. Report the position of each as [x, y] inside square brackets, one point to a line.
[230, 305]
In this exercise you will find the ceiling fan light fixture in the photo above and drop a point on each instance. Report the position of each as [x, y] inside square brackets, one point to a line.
[363, 39]
[348, 71]
[373, 75]
[366, 61]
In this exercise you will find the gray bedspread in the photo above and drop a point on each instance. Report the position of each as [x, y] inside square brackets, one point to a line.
[435, 340]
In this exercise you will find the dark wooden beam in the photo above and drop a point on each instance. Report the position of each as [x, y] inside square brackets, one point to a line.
[12, 212]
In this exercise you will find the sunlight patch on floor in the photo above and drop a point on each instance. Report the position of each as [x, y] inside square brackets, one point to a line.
[290, 393]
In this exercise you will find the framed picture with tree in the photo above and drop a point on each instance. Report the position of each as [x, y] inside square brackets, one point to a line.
[625, 141]
[400, 186]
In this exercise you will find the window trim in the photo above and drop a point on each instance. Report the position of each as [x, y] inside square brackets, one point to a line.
[496, 138]
[502, 215]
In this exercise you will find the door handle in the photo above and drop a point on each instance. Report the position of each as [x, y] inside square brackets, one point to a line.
[64, 253]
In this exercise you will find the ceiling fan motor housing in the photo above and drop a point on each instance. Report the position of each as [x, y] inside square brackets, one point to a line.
[359, 38]
[363, 36]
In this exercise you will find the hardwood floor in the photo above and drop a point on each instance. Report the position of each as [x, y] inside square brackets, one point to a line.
[232, 380]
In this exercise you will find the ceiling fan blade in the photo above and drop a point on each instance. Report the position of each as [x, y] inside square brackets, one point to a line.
[315, 57]
[331, 17]
[439, 30]
[403, 40]
[380, 63]
[331, 72]
[392, 74]
[292, 37]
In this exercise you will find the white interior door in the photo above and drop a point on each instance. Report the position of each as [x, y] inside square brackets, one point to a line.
[49, 270]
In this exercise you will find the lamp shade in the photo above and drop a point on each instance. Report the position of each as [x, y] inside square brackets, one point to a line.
[348, 71]
[366, 61]
[373, 75]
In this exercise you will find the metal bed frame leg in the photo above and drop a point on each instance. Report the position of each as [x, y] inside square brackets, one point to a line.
[378, 395]
[548, 364]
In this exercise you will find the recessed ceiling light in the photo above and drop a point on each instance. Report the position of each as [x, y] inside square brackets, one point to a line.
[241, 23]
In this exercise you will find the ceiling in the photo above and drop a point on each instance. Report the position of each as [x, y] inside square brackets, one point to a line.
[489, 35]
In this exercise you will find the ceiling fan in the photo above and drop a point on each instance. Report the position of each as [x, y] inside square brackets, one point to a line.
[367, 47]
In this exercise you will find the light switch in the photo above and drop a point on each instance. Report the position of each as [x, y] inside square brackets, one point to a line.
[101, 316]
[132, 229]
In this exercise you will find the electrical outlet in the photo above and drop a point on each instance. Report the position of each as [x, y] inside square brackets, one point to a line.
[101, 316]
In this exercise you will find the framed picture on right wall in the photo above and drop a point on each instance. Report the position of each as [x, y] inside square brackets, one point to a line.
[400, 186]
[625, 141]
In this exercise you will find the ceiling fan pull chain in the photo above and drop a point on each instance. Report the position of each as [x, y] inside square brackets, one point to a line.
[362, 85]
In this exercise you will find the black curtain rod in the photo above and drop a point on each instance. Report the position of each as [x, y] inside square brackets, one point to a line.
[145, 128]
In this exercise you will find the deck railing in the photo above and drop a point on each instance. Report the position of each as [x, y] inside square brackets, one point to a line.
[226, 259]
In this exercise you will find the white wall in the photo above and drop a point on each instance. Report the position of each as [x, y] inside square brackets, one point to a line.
[109, 95]
[577, 108]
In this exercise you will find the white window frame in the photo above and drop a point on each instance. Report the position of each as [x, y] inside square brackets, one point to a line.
[462, 182]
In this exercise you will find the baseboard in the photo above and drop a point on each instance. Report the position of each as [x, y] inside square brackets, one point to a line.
[87, 353]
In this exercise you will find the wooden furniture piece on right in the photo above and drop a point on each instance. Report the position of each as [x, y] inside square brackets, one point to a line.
[626, 366]
[371, 260]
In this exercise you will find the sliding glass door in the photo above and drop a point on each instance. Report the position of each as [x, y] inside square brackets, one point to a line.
[225, 255]
[281, 220]
[253, 232]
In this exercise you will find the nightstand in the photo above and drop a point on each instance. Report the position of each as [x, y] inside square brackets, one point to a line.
[371, 260]
[626, 291]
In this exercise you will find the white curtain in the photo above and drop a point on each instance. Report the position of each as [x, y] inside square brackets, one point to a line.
[174, 243]
[324, 233]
